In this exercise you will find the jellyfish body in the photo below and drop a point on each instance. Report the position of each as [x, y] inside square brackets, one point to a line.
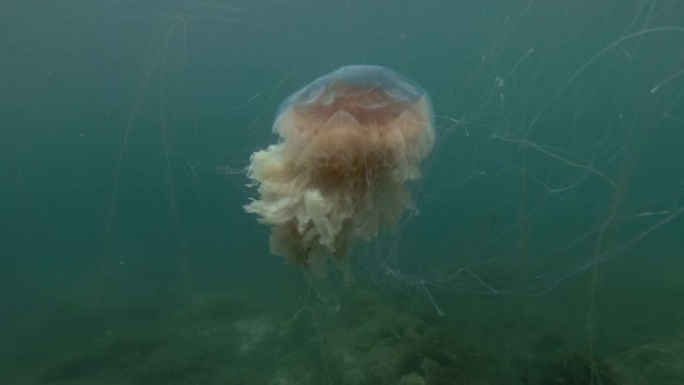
[350, 141]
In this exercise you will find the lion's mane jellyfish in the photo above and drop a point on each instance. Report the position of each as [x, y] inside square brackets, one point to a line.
[350, 141]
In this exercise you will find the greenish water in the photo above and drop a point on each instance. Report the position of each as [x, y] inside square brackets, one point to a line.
[549, 243]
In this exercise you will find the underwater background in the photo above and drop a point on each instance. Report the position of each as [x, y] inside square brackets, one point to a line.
[547, 247]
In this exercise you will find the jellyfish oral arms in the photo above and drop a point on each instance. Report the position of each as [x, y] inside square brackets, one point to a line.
[350, 141]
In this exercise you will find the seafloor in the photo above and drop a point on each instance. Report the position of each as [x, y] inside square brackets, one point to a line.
[597, 329]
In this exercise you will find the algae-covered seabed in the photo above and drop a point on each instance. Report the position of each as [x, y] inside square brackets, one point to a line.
[277, 332]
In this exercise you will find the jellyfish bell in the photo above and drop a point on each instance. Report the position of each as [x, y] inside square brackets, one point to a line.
[350, 142]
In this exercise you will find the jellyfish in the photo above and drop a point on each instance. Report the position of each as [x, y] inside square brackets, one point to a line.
[350, 143]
